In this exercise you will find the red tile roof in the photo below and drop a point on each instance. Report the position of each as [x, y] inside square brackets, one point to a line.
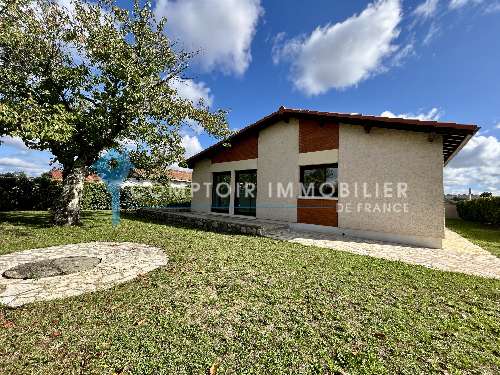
[455, 135]
[175, 175]
[183, 176]
[56, 175]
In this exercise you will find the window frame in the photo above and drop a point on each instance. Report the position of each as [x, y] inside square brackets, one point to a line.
[303, 168]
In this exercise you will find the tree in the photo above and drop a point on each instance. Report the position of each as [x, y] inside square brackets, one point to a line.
[486, 194]
[81, 79]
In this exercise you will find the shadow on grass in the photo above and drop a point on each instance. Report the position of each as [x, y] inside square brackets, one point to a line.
[39, 219]
[29, 219]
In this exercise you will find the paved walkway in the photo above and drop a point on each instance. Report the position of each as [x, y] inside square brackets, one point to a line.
[457, 254]
[119, 262]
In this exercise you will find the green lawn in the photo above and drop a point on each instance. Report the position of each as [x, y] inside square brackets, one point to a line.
[486, 236]
[254, 305]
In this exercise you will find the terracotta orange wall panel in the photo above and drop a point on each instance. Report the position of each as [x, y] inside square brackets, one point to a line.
[316, 136]
[243, 149]
[317, 211]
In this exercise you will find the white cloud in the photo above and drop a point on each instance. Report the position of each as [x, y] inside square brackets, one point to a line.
[476, 165]
[426, 9]
[16, 157]
[222, 29]
[15, 164]
[193, 91]
[455, 4]
[15, 142]
[346, 53]
[434, 30]
[497, 126]
[191, 144]
[402, 54]
[493, 7]
[433, 114]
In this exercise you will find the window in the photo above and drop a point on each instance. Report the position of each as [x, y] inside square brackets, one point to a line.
[319, 180]
[246, 192]
[221, 192]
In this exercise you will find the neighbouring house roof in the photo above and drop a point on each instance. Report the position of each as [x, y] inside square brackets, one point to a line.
[455, 135]
[174, 175]
[181, 176]
[56, 175]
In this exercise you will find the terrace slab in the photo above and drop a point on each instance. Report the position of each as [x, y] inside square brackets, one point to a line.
[211, 221]
[457, 255]
[69, 270]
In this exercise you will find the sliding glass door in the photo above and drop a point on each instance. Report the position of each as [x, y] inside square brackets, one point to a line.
[221, 192]
[246, 192]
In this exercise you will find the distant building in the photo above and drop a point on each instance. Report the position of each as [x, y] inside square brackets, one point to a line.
[177, 178]
[460, 197]
[56, 175]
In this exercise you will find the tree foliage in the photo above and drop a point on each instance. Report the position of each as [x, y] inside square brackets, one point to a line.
[486, 194]
[80, 79]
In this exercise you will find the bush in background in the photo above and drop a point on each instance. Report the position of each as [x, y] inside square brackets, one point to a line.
[19, 192]
[482, 210]
[157, 196]
[95, 197]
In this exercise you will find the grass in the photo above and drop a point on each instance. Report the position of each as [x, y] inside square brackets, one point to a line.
[486, 236]
[251, 305]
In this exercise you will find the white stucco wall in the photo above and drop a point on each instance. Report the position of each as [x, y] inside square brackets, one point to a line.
[319, 157]
[386, 155]
[239, 165]
[278, 163]
[202, 173]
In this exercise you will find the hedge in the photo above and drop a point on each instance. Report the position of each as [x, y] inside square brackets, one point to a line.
[482, 210]
[19, 192]
[96, 197]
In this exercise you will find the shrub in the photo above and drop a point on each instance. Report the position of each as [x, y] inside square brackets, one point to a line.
[482, 210]
[154, 196]
[19, 192]
[95, 197]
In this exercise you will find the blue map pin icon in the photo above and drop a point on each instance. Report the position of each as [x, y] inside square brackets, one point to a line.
[113, 168]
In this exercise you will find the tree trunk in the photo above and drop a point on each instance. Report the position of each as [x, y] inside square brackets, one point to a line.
[67, 209]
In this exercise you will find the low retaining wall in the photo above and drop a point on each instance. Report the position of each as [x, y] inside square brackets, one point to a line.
[176, 217]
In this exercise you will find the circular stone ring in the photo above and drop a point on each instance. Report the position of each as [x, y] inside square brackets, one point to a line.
[70, 270]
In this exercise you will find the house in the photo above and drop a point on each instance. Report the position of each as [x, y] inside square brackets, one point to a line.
[364, 176]
[176, 178]
[57, 175]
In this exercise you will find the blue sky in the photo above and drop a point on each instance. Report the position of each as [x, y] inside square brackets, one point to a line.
[437, 59]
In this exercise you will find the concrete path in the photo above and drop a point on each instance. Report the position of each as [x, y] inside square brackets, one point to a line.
[457, 254]
[118, 263]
